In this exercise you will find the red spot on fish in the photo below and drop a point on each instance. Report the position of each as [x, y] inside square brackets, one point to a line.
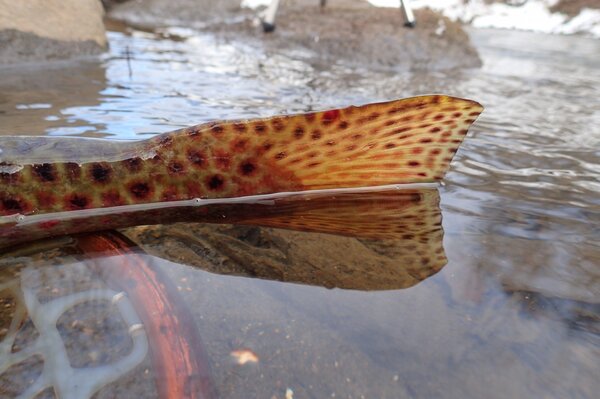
[49, 224]
[310, 117]
[170, 194]
[330, 116]
[278, 124]
[239, 145]
[222, 160]
[401, 130]
[417, 150]
[45, 199]
[112, 198]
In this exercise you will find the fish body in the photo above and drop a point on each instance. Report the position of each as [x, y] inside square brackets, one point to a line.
[403, 141]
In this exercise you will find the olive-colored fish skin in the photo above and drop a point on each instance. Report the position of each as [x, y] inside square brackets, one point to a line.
[403, 141]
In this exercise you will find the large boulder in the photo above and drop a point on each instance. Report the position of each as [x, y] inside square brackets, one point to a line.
[35, 30]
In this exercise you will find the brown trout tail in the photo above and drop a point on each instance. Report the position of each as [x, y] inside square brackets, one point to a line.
[403, 141]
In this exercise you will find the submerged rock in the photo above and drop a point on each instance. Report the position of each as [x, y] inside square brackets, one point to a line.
[346, 31]
[37, 30]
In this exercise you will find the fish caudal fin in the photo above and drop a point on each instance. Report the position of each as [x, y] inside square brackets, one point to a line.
[404, 141]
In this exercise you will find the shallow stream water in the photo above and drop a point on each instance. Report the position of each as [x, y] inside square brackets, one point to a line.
[514, 313]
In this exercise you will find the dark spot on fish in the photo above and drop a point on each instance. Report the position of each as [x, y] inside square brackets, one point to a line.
[45, 172]
[217, 129]
[414, 163]
[260, 128]
[298, 132]
[101, 172]
[280, 155]
[401, 130]
[134, 165]
[343, 125]
[240, 127]
[373, 116]
[316, 135]
[77, 201]
[140, 190]
[165, 141]
[247, 168]
[196, 157]
[215, 182]
[278, 124]
[390, 145]
[175, 167]
[267, 146]
[12, 204]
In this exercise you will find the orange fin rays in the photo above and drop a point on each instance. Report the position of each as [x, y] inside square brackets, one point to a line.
[403, 141]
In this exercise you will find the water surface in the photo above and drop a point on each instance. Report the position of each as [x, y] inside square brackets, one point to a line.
[514, 313]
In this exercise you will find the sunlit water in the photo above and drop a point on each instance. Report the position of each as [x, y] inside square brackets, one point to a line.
[514, 313]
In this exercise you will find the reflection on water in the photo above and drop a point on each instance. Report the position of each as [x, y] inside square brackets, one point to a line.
[514, 313]
[79, 302]
[402, 226]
